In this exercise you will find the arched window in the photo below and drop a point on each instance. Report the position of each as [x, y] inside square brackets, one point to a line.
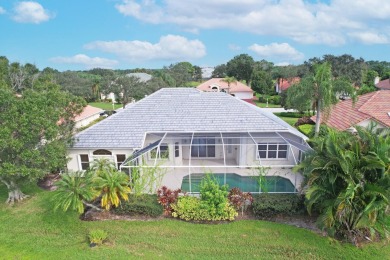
[102, 152]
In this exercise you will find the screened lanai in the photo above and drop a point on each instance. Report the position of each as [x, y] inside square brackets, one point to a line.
[231, 156]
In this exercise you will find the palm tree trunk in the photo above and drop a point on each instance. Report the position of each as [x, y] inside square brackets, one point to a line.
[318, 119]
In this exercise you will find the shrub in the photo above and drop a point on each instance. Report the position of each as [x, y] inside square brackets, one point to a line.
[306, 129]
[145, 204]
[268, 205]
[212, 205]
[213, 196]
[240, 200]
[190, 208]
[167, 197]
[323, 131]
[97, 236]
[290, 114]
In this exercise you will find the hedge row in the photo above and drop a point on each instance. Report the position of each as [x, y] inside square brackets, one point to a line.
[144, 204]
[268, 205]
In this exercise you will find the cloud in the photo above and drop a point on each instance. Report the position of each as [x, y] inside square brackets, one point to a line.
[30, 12]
[277, 51]
[370, 37]
[170, 47]
[88, 62]
[2, 10]
[310, 22]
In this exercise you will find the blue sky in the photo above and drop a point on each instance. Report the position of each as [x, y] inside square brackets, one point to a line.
[83, 34]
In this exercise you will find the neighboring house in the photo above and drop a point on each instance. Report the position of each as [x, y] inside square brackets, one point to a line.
[283, 84]
[88, 115]
[236, 89]
[383, 84]
[187, 132]
[370, 107]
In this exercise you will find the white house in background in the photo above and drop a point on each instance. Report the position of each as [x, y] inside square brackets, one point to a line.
[237, 89]
[187, 132]
[88, 115]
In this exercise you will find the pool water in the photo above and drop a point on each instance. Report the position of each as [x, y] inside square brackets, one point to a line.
[245, 183]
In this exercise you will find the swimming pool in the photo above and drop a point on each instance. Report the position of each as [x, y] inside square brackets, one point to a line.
[245, 183]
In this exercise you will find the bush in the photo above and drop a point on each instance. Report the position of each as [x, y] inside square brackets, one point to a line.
[97, 236]
[306, 129]
[191, 208]
[240, 200]
[290, 114]
[167, 197]
[212, 205]
[323, 131]
[268, 205]
[145, 204]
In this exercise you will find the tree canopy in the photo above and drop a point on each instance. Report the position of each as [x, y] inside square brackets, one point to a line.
[241, 67]
[36, 129]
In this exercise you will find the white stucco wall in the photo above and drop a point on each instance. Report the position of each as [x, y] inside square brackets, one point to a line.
[86, 121]
[243, 95]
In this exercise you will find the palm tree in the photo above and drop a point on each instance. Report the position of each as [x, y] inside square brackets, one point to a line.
[99, 166]
[229, 80]
[321, 90]
[114, 187]
[75, 191]
[348, 183]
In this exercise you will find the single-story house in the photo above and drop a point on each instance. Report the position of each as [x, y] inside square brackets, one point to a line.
[236, 89]
[87, 116]
[373, 107]
[187, 132]
[283, 84]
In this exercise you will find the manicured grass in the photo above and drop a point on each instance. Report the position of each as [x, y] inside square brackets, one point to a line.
[290, 120]
[259, 104]
[105, 105]
[31, 230]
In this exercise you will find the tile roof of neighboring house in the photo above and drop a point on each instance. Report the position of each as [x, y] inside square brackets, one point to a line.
[373, 105]
[87, 112]
[179, 109]
[286, 83]
[143, 77]
[383, 84]
[234, 87]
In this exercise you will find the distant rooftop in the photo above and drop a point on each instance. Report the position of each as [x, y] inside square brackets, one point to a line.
[383, 84]
[179, 110]
[143, 77]
[374, 105]
[220, 84]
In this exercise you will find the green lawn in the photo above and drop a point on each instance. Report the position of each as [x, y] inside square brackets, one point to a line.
[31, 230]
[104, 105]
[259, 104]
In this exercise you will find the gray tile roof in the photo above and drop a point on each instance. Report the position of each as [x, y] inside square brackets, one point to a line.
[179, 109]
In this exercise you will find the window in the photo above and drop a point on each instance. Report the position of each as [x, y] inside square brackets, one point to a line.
[203, 147]
[164, 152]
[272, 151]
[101, 152]
[84, 160]
[177, 149]
[120, 158]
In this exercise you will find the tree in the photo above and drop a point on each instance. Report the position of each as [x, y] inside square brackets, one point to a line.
[197, 73]
[219, 71]
[347, 180]
[320, 91]
[241, 67]
[127, 87]
[262, 82]
[74, 191]
[181, 72]
[36, 130]
[229, 80]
